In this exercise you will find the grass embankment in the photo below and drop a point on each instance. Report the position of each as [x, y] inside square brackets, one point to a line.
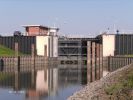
[123, 88]
[4, 51]
[129, 55]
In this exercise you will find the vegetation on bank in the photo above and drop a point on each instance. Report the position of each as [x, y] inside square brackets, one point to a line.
[4, 51]
[129, 55]
[123, 88]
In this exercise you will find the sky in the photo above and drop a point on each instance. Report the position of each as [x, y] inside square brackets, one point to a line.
[75, 17]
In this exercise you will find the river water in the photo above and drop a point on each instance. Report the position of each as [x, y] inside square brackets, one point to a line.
[44, 84]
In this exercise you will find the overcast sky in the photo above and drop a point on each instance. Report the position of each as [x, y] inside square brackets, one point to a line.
[86, 17]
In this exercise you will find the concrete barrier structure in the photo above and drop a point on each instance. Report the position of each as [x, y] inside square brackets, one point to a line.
[94, 61]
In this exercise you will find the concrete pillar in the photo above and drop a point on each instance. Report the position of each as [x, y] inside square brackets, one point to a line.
[17, 58]
[93, 61]
[32, 50]
[97, 61]
[16, 88]
[101, 60]
[16, 49]
[89, 78]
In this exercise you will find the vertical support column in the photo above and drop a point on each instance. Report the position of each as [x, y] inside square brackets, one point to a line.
[97, 61]
[89, 77]
[17, 58]
[16, 49]
[16, 81]
[93, 61]
[33, 56]
[101, 60]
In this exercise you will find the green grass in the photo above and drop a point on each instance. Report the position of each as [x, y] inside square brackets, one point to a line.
[113, 89]
[129, 55]
[126, 83]
[4, 51]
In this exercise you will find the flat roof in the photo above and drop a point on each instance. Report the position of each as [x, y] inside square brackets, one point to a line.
[35, 26]
[40, 26]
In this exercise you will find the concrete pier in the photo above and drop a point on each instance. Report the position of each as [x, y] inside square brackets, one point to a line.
[94, 61]
[89, 78]
[17, 59]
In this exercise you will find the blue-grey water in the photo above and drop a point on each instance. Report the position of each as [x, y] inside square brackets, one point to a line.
[44, 84]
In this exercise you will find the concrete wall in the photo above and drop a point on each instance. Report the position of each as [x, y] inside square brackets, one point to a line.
[55, 46]
[52, 45]
[108, 44]
[41, 41]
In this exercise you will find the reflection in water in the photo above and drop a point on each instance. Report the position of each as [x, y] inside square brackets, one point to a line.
[46, 84]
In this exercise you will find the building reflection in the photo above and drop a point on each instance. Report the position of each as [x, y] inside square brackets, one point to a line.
[46, 83]
[42, 83]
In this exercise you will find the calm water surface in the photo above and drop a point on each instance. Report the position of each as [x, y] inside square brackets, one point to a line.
[44, 84]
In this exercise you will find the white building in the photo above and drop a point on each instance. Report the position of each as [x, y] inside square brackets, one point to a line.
[108, 41]
[46, 39]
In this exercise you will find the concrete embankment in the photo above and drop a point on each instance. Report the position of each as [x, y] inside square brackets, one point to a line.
[98, 90]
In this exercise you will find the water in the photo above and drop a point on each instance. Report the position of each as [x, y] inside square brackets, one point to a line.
[44, 84]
